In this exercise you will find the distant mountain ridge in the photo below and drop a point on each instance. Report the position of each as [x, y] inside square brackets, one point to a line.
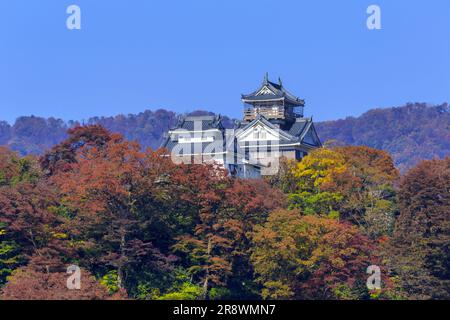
[410, 133]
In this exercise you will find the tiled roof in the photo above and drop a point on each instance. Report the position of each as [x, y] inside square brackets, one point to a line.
[278, 90]
[207, 122]
[299, 126]
[294, 134]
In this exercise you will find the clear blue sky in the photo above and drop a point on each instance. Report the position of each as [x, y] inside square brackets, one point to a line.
[202, 54]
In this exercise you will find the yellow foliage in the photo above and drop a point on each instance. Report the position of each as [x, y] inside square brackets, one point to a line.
[319, 167]
[59, 235]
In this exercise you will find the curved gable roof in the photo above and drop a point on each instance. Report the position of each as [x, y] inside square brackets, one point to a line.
[272, 91]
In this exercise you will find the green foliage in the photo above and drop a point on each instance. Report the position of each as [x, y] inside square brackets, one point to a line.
[27, 171]
[181, 288]
[219, 293]
[15, 170]
[10, 257]
[62, 211]
[146, 292]
[355, 184]
[380, 217]
[345, 292]
[187, 291]
[110, 281]
[320, 203]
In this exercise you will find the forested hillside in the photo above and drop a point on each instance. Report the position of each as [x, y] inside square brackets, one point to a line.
[409, 133]
[139, 226]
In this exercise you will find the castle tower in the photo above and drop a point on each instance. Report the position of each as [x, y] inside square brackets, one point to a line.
[274, 102]
[273, 127]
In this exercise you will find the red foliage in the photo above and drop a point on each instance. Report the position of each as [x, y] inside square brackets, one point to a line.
[65, 153]
[35, 283]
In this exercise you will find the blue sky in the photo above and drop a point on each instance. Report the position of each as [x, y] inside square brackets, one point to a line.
[202, 54]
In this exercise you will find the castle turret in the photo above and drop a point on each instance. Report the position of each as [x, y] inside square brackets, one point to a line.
[273, 102]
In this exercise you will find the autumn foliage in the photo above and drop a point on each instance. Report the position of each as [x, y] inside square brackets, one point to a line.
[141, 227]
[33, 282]
[310, 257]
[421, 241]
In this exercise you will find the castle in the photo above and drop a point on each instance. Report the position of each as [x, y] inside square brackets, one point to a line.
[273, 126]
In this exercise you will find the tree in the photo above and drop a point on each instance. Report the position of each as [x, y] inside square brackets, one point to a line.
[310, 257]
[62, 155]
[9, 255]
[409, 133]
[420, 248]
[28, 226]
[218, 250]
[317, 169]
[355, 184]
[368, 188]
[14, 169]
[207, 249]
[28, 221]
[111, 190]
[32, 282]
[284, 179]
[247, 204]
